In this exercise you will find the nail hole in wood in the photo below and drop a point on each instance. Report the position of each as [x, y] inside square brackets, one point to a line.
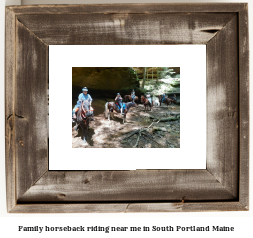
[61, 195]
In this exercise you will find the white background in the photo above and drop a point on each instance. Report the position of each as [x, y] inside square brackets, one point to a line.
[192, 151]
[9, 222]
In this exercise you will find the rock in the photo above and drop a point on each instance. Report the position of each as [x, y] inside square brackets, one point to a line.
[159, 128]
[96, 79]
[164, 119]
[175, 114]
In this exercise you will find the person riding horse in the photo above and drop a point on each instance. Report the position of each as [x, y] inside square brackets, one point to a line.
[133, 94]
[174, 98]
[163, 97]
[118, 99]
[83, 97]
[148, 96]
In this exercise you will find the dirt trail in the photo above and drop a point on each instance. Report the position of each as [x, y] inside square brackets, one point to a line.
[111, 134]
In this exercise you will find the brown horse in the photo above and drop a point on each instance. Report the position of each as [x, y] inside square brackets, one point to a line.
[128, 98]
[174, 99]
[167, 100]
[111, 106]
[146, 102]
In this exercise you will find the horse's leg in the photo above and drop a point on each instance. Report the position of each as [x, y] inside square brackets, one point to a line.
[124, 118]
[109, 114]
[76, 126]
[83, 136]
[86, 130]
[112, 115]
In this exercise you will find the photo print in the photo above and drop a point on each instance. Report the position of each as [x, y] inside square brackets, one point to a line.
[126, 107]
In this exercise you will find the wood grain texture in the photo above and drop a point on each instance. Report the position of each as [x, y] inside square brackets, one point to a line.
[129, 207]
[223, 186]
[222, 107]
[122, 29]
[30, 108]
[244, 106]
[139, 185]
[9, 109]
[154, 8]
[186, 207]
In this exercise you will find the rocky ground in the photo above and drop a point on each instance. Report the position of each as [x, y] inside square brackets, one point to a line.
[115, 134]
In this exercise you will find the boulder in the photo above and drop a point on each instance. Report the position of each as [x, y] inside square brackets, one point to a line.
[104, 81]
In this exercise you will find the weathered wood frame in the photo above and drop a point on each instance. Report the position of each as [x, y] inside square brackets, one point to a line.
[222, 186]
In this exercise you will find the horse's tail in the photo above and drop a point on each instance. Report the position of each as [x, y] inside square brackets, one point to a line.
[106, 110]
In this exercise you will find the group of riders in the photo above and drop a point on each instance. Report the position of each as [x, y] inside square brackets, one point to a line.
[165, 96]
[119, 100]
[84, 96]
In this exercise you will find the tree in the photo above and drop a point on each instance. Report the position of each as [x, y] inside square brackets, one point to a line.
[157, 73]
[144, 77]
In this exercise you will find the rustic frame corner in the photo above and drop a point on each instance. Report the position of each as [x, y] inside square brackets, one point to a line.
[223, 186]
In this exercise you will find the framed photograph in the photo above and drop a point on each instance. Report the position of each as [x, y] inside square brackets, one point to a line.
[159, 117]
[159, 95]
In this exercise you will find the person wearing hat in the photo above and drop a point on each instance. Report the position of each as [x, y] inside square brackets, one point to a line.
[118, 99]
[83, 96]
[149, 97]
[133, 94]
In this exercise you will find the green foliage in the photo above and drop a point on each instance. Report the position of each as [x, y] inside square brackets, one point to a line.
[175, 83]
[132, 71]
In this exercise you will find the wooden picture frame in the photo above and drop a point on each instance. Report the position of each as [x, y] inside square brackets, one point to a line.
[222, 186]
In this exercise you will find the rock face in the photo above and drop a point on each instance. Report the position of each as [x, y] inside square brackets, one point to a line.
[104, 81]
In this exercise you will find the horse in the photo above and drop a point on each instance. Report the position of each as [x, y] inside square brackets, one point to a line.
[174, 99]
[83, 119]
[146, 102]
[167, 100]
[128, 98]
[111, 106]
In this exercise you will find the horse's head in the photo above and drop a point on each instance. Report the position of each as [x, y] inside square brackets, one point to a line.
[86, 108]
[131, 104]
[135, 105]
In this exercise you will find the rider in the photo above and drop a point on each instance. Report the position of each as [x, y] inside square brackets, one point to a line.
[118, 99]
[83, 96]
[175, 97]
[163, 97]
[148, 96]
[133, 94]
